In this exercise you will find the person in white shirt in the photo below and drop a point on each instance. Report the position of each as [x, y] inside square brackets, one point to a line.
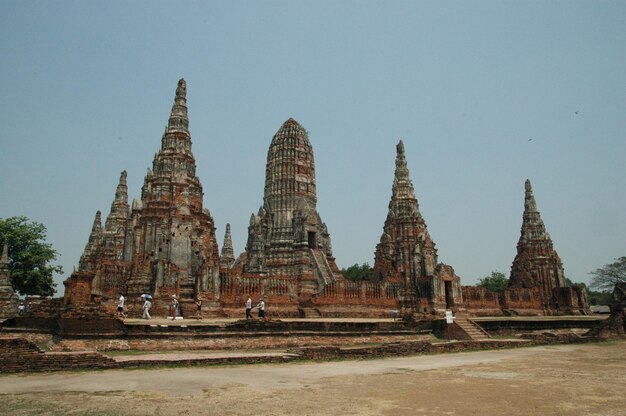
[120, 306]
[249, 308]
[146, 309]
[261, 307]
[174, 307]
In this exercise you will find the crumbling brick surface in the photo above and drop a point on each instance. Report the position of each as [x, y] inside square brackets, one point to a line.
[20, 355]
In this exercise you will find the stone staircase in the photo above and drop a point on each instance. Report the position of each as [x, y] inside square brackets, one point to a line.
[471, 328]
[323, 268]
[187, 290]
[306, 312]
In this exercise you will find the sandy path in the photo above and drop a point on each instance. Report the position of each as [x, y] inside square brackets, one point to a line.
[557, 380]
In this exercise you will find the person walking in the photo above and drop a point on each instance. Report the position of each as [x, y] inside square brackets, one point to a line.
[199, 306]
[261, 307]
[146, 308]
[120, 307]
[174, 307]
[249, 308]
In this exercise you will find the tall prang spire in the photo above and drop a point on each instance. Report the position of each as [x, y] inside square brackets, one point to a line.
[403, 202]
[119, 206]
[529, 199]
[175, 157]
[5, 278]
[8, 298]
[536, 264]
[227, 257]
[287, 237]
[533, 227]
[179, 120]
[86, 262]
[290, 170]
[166, 244]
[406, 254]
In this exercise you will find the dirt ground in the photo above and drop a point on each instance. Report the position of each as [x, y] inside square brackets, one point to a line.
[583, 379]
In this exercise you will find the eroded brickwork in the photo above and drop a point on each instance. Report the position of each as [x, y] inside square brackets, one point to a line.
[165, 243]
[537, 265]
[407, 255]
[8, 298]
[287, 239]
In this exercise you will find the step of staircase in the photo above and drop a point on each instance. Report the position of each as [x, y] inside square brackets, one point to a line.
[311, 313]
[471, 328]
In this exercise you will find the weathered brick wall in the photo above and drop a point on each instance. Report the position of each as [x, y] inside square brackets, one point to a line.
[401, 348]
[20, 355]
[43, 308]
[523, 301]
[345, 292]
[78, 288]
[451, 331]
[9, 303]
[565, 301]
[235, 291]
[341, 298]
[570, 300]
[480, 301]
[357, 311]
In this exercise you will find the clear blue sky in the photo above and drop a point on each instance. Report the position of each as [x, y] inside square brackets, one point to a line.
[484, 95]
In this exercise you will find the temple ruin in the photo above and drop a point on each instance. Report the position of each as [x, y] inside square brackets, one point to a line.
[407, 255]
[8, 298]
[164, 244]
[537, 264]
[537, 284]
[287, 237]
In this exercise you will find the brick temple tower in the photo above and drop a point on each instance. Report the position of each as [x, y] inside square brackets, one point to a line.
[174, 249]
[8, 298]
[104, 266]
[227, 256]
[406, 254]
[165, 243]
[287, 237]
[89, 258]
[537, 264]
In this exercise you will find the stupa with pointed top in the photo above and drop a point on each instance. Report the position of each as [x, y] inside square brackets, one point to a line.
[536, 264]
[8, 298]
[165, 243]
[227, 256]
[287, 238]
[406, 253]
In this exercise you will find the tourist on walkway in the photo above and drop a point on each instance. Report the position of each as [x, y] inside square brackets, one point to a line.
[174, 307]
[146, 308]
[20, 309]
[120, 307]
[199, 306]
[249, 308]
[261, 307]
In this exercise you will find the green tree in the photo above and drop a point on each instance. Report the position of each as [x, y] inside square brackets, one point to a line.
[356, 272]
[598, 298]
[607, 276]
[496, 282]
[29, 256]
[594, 297]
